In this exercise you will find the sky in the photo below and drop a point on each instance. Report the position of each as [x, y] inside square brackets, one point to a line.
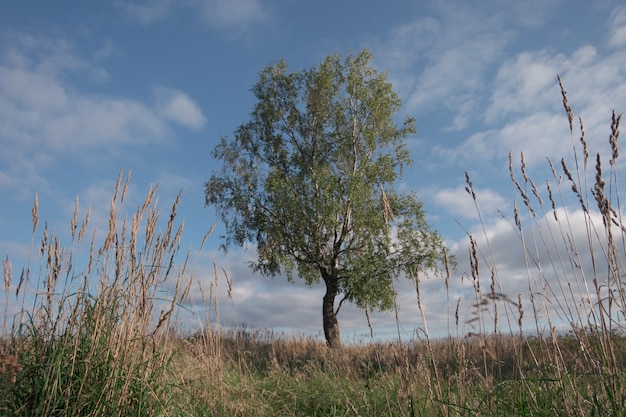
[88, 88]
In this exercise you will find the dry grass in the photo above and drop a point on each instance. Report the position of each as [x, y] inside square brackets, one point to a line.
[97, 340]
[577, 284]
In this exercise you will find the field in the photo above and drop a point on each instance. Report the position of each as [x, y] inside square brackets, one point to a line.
[99, 336]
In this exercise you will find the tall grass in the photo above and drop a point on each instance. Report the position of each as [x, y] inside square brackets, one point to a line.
[95, 340]
[90, 330]
[574, 362]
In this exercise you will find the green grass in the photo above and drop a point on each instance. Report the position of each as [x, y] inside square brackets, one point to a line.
[97, 337]
[301, 377]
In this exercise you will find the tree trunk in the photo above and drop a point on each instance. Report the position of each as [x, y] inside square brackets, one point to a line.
[331, 325]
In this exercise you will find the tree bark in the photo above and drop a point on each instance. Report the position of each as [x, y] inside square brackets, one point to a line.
[331, 325]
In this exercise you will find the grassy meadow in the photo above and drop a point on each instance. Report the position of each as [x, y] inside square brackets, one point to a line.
[89, 327]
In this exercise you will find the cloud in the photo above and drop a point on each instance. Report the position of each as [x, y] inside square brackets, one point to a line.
[251, 298]
[548, 263]
[453, 63]
[39, 107]
[617, 25]
[525, 111]
[454, 75]
[96, 199]
[53, 56]
[148, 12]
[39, 110]
[530, 14]
[177, 107]
[537, 135]
[526, 83]
[233, 16]
[44, 119]
[551, 263]
[172, 184]
[458, 202]
[454, 50]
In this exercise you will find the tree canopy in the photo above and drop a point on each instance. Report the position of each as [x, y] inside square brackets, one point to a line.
[312, 180]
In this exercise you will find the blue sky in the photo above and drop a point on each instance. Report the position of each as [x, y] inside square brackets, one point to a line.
[88, 88]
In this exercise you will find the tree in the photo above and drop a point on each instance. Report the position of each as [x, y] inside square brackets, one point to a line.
[311, 178]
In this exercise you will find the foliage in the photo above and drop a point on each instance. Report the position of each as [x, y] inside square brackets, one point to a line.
[311, 178]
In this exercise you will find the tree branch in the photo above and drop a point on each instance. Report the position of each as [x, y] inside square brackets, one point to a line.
[345, 297]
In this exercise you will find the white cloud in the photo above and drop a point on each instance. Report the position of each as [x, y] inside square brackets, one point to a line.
[545, 262]
[617, 37]
[148, 12]
[527, 111]
[96, 199]
[52, 56]
[455, 74]
[531, 13]
[527, 83]
[538, 135]
[458, 202]
[177, 107]
[92, 122]
[453, 63]
[43, 119]
[455, 50]
[252, 298]
[172, 183]
[234, 16]
[38, 111]
[552, 259]
[38, 107]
